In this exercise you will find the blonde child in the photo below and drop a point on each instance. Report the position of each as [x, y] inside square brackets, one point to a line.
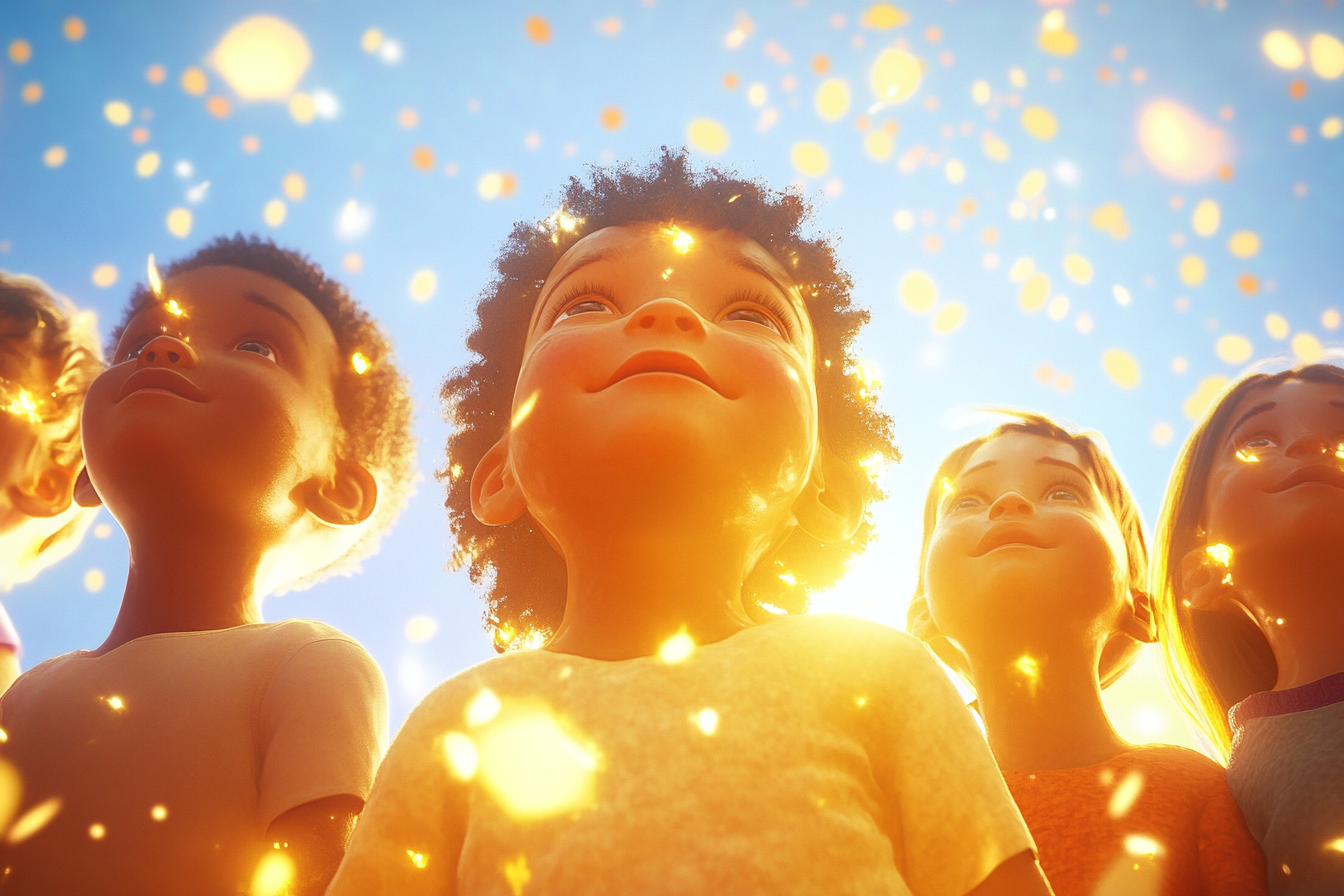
[1031, 583]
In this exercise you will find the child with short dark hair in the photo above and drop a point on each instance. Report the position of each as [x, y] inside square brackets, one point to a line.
[1249, 577]
[1031, 585]
[251, 434]
[665, 401]
[48, 356]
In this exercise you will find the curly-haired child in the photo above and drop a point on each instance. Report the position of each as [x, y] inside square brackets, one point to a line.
[1031, 585]
[1249, 574]
[666, 437]
[48, 356]
[251, 434]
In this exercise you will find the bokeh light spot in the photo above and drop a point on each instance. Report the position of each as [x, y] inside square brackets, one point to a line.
[1276, 325]
[1180, 144]
[1282, 49]
[1110, 217]
[1199, 401]
[371, 40]
[707, 135]
[273, 875]
[156, 74]
[104, 275]
[353, 262]
[117, 112]
[832, 99]
[1205, 218]
[810, 158]
[1330, 127]
[917, 292]
[1233, 349]
[32, 92]
[1121, 368]
[611, 118]
[955, 171]
[949, 318]
[1243, 244]
[496, 185]
[1327, 56]
[422, 157]
[219, 106]
[262, 58]
[538, 30]
[1330, 318]
[147, 164]
[20, 51]
[94, 580]
[302, 108]
[883, 17]
[1077, 268]
[74, 29]
[1032, 184]
[294, 185]
[1192, 270]
[1039, 122]
[179, 222]
[1162, 433]
[421, 628]
[424, 283]
[54, 157]
[1307, 348]
[1034, 292]
[878, 145]
[274, 213]
[194, 81]
[533, 767]
[895, 75]
[34, 820]
[994, 147]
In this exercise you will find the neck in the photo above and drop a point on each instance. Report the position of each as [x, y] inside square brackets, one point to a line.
[627, 596]
[186, 579]
[1309, 645]
[1045, 716]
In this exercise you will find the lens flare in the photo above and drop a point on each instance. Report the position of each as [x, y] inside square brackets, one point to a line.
[524, 410]
[677, 648]
[274, 874]
[681, 240]
[155, 281]
[418, 859]
[1139, 845]
[483, 708]
[533, 765]
[1125, 795]
[516, 873]
[707, 720]
[461, 754]
[34, 820]
[173, 307]
[360, 362]
[262, 58]
[1220, 554]
[1180, 144]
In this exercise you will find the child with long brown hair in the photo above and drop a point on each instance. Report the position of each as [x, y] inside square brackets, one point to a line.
[1031, 586]
[1249, 576]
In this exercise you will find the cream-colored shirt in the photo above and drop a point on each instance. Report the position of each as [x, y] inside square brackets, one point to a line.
[809, 755]
[173, 753]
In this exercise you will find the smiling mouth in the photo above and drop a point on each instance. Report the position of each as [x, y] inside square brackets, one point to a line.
[1008, 535]
[661, 362]
[1316, 474]
[157, 380]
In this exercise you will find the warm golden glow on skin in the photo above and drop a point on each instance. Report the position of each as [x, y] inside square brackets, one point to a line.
[788, 578]
[533, 766]
[155, 281]
[418, 859]
[159, 813]
[173, 307]
[676, 648]
[116, 703]
[524, 410]
[274, 874]
[1247, 457]
[1220, 553]
[707, 720]
[34, 820]
[461, 754]
[360, 362]
[24, 405]
[1139, 845]
[483, 708]
[681, 240]
[516, 873]
[1124, 796]
[1030, 669]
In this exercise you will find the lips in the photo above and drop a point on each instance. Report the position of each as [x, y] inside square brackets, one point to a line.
[1322, 473]
[161, 378]
[661, 362]
[1009, 534]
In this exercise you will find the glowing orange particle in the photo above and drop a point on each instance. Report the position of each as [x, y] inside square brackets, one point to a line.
[422, 157]
[20, 51]
[1298, 89]
[933, 34]
[139, 135]
[219, 107]
[1225, 172]
[193, 81]
[408, 117]
[731, 81]
[251, 144]
[156, 74]
[1298, 134]
[32, 92]
[612, 118]
[538, 29]
[1249, 284]
[73, 28]
[821, 64]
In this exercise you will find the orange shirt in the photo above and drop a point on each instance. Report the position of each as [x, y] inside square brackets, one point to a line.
[1154, 820]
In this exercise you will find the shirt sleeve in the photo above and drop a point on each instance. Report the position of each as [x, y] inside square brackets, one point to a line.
[953, 820]
[9, 636]
[1230, 861]
[409, 838]
[322, 727]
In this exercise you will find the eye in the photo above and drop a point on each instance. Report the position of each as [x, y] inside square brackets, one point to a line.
[1063, 494]
[964, 502]
[260, 348]
[134, 351]
[1259, 443]
[588, 306]
[755, 316]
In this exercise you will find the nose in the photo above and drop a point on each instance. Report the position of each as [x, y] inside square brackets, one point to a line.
[167, 351]
[1310, 445]
[666, 315]
[1011, 504]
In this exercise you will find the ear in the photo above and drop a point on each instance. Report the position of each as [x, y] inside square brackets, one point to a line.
[348, 498]
[496, 499]
[47, 495]
[1205, 585]
[830, 508]
[1136, 619]
[85, 494]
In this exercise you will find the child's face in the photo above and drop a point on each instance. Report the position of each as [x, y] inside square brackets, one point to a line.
[1026, 551]
[658, 378]
[1275, 491]
[225, 408]
[22, 373]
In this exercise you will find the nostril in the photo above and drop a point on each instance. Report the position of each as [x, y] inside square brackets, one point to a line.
[646, 321]
[173, 357]
[149, 356]
[683, 323]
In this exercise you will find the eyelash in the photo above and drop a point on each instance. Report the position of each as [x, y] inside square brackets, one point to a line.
[1078, 491]
[776, 307]
[587, 289]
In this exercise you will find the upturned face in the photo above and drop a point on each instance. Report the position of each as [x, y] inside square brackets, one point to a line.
[219, 398]
[666, 372]
[1275, 494]
[1026, 552]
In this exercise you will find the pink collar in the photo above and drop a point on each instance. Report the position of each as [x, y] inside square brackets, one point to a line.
[1319, 693]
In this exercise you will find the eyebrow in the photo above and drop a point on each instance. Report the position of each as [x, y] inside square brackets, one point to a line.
[596, 257]
[1042, 460]
[1258, 409]
[257, 298]
[756, 267]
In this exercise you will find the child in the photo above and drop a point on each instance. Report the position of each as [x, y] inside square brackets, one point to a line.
[661, 399]
[242, 451]
[1030, 581]
[48, 356]
[1249, 574]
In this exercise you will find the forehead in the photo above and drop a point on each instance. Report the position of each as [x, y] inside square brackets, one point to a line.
[219, 292]
[1291, 398]
[1019, 449]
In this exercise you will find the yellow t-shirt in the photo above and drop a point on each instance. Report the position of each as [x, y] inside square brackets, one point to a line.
[173, 753]
[819, 754]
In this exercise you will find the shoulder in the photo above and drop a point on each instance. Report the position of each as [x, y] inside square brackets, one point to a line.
[34, 679]
[1177, 761]
[517, 673]
[843, 638]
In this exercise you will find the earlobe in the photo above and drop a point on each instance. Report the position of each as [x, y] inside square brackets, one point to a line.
[1137, 619]
[830, 508]
[48, 495]
[85, 494]
[348, 498]
[496, 499]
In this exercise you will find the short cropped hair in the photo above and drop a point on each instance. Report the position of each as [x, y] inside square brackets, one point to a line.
[523, 577]
[66, 339]
[1215, 659]
[373, 407]
[1120, 651]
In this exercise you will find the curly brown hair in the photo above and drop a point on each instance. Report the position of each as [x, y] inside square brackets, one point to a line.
[522, 575]
[374, 407]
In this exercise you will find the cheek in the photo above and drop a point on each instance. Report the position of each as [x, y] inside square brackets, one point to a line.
[950, 583]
